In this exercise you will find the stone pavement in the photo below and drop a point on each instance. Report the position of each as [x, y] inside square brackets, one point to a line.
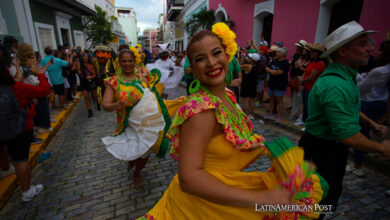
[83, 181]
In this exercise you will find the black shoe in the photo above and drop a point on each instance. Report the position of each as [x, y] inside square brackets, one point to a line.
[98, 107]
[90, 114]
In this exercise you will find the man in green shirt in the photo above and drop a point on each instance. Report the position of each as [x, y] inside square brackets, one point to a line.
[334, 113]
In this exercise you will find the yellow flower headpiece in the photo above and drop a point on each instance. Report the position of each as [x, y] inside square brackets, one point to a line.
[136, 54]
[228, 38]
[138, 46]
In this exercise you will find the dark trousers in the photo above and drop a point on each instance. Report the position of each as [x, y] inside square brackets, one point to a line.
[305, 103]
[42, 117]
[330, 158]
[374, 111]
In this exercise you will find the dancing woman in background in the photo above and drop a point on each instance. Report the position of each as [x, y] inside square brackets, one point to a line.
[141, 114]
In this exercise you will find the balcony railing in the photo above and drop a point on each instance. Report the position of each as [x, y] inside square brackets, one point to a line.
[116, 27]
[174, 8]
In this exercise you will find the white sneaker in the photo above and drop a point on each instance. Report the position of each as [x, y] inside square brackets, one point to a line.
[30, 193]
[45, 130]
[303, 129]
[9, 172]
[299, 123]
[251, 117]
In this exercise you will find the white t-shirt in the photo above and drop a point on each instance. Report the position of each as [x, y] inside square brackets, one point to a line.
[375, 85]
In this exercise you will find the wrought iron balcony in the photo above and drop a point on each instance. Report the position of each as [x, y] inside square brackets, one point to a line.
[174, 8]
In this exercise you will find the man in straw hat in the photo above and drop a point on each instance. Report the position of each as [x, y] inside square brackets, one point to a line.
[334, 113]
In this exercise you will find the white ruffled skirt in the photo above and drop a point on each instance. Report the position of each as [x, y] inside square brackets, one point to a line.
[145, 121]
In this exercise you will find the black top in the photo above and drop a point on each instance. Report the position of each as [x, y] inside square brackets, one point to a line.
[295, 71]
[279, 82]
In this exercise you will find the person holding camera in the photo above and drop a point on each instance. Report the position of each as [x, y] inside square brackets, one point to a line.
[19, 147]
[27, 58]
[55, 73]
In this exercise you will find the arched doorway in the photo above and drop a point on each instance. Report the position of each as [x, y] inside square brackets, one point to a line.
[267, 27]
[220, 16]
[220, 13]
[263, 25]
[263, 19]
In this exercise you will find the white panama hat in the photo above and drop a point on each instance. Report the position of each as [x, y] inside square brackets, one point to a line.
[161, 48]
[301, 43]
[342, 36]
[254, 56]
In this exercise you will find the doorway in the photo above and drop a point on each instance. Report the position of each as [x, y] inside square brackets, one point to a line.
[267, 28]
[343, 12]
[65, 36]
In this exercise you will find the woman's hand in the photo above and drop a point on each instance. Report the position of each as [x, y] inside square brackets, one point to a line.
[35, 69]
[16, 63]
[273, 197]
[378, 129]
[236, 83]
[118, 105]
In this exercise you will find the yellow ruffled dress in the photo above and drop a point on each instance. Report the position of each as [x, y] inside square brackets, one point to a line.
[225, 160]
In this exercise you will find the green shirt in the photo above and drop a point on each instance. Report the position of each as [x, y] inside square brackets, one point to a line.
[234, 66]
[334, 104]
[188, 77]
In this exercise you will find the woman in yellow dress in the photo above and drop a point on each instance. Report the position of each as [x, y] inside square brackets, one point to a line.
[213, 140]
[142, 118]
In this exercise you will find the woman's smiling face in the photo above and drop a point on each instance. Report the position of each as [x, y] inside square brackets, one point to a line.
[127, 63]
[209, 62]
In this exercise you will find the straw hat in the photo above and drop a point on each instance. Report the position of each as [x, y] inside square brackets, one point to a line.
[301, 43]
[316, 47]
[342, 36]
[273, 48]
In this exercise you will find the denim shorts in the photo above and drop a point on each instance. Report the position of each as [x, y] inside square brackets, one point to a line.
[276, 93]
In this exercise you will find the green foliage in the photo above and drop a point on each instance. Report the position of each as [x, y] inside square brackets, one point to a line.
[98, 28]
[113, 18]
[203, 20]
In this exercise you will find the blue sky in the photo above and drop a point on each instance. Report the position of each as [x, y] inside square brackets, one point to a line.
[147, 11]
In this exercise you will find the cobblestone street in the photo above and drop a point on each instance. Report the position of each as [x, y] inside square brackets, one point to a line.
[83, 181]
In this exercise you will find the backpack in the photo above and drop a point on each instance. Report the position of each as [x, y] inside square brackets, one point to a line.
[12, 116]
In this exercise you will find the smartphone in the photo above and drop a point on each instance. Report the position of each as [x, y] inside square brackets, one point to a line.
[52, 60]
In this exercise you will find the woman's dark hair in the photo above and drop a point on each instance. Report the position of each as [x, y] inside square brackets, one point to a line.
[197, 37]
[123, 47]
[5, 61]
[83, 66]
[124, 51]
[384, 57]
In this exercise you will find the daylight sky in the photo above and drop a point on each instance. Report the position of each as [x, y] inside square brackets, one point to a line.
[147, 11]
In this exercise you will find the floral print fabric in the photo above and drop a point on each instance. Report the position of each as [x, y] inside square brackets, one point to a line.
[238, 131]
[129, 93]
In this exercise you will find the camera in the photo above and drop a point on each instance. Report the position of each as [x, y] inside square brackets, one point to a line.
[26, 71]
